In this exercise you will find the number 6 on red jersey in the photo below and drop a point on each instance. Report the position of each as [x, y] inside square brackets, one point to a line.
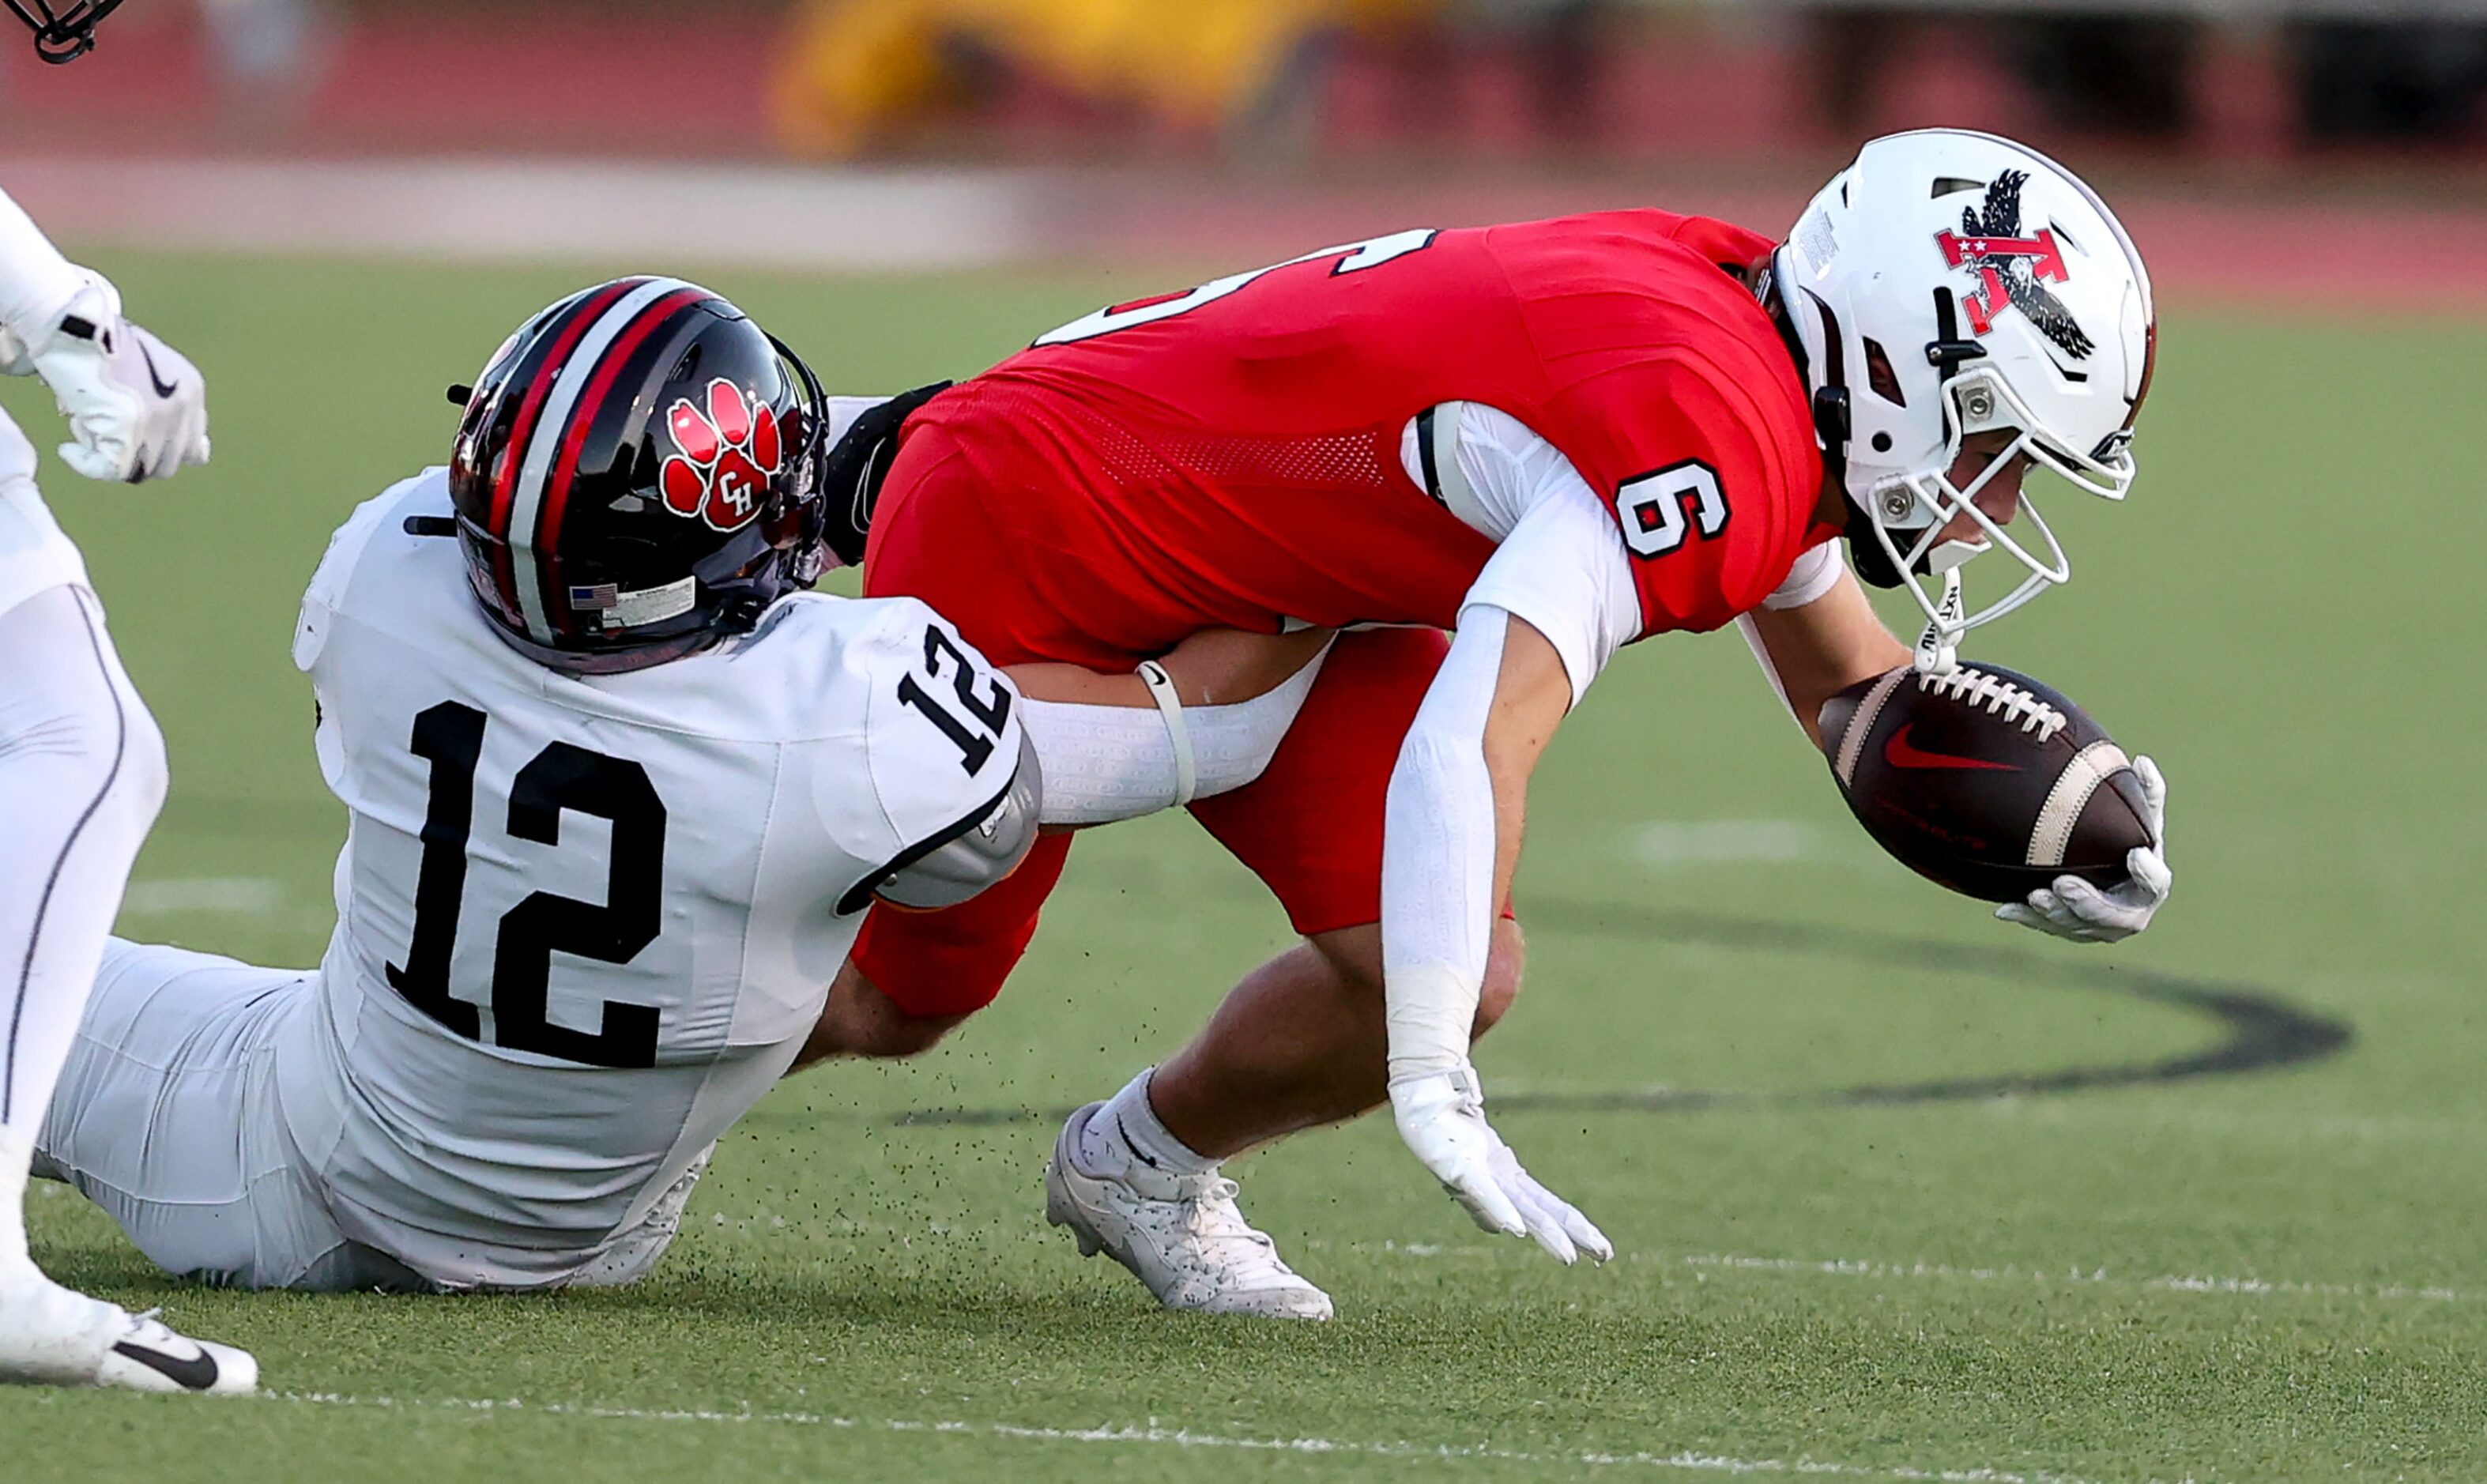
[1663, 507]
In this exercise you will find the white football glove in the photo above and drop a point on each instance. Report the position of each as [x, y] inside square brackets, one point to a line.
[2078, 911]
[137, 407]
[1442, 1117]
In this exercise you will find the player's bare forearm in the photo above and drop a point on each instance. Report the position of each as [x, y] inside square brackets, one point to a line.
[1213, 667]
[1825, 646]
[1531, 697]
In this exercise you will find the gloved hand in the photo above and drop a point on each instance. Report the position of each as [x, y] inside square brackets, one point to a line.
[2081, 913]
[854, 467]
[137, 407]
[1442, 1117]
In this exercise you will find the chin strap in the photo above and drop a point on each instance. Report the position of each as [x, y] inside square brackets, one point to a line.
[1938, 647]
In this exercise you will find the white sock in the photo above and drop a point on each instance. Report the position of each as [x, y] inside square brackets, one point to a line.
[1125, 1136]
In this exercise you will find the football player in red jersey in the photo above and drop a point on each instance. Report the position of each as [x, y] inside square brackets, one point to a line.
[1552, 439]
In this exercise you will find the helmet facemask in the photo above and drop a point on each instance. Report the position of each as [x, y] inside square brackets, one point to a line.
[796, 526]
[63, 33]
[1910, 512]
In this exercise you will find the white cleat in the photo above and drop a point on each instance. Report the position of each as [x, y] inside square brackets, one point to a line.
[50, 1336]
[1180, 1235]
[151, 1356]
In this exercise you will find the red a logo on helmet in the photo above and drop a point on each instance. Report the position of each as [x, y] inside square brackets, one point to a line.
[2012, 270]
[728, 453]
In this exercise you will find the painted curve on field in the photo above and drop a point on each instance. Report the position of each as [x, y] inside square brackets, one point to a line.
[2259, 1029]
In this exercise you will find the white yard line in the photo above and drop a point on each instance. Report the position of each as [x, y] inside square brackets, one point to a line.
[2171, 1283]
[1864, 1267]
[1153, 1435]
[2089, 1274]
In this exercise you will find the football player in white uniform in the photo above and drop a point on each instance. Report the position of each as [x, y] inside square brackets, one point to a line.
[620, 793]
[81, 775]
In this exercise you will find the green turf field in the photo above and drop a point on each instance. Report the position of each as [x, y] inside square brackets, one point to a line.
[2273, 1273]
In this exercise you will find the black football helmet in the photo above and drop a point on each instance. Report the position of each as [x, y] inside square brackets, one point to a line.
[66, 32]
[637, 475]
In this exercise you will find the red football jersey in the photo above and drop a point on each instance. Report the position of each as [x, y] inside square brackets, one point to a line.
[1230, 455]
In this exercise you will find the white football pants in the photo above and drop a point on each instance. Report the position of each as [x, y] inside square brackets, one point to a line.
[81, 777]
[167, 1116]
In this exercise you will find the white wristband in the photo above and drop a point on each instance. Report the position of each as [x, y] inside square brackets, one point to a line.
[1186, 769]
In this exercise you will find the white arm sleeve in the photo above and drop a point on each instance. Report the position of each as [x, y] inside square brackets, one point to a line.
[1563, 569]
[1109, 762]
[1561, 563]
[36, 282]
[1437, 853]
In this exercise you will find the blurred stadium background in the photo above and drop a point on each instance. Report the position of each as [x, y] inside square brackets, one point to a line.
[1902, 1194]
[2259, 148]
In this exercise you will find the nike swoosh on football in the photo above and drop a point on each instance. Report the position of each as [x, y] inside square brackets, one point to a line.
[195, 1375]
[1899, 753]
[163, 389]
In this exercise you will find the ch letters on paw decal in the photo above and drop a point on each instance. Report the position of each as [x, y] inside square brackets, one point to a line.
[728, 453]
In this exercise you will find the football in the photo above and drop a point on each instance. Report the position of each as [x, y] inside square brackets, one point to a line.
[1984, 780]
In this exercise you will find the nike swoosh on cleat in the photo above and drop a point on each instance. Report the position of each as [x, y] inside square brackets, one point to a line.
[1899, 753]
[163, 389]
[196, 1375]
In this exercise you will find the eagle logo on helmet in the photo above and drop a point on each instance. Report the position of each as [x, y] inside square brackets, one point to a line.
[728, 453]
[2012, 270]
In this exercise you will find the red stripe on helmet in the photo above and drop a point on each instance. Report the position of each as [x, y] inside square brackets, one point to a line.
[582, 418]
[514, 452]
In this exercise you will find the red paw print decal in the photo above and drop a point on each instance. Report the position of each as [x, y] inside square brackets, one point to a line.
[728, 453]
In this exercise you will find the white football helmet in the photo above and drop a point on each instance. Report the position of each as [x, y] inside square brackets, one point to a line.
[1948, 284]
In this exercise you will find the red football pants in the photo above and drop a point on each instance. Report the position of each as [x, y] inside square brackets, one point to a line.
[1310, 827]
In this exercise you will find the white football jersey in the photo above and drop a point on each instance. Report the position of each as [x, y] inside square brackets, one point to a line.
[583, 922]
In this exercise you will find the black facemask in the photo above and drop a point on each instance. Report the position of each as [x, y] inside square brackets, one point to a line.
[63, 32]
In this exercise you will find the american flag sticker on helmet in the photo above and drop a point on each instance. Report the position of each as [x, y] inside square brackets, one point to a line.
[653, 604]
[598, 599]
